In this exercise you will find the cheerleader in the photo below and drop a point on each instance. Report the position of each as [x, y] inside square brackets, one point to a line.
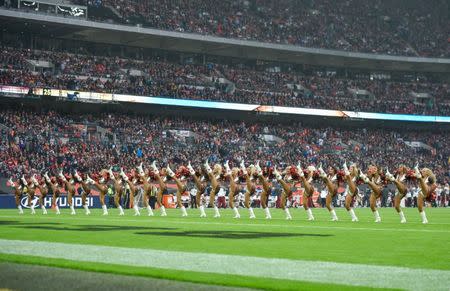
[233, 175]
[69, 185]
[86, 191]
[267, 189]
[52, 184]
[331, 180]
[131, 182]
[102, 188]
[31, 189]
[309, 188]
[287, 189]
[148, 189]
[250, 188]
[427, 184]
[214, 177]
[200, 184]
[17, 194]
[162, 187]
[180, 180]
[375, 182]
[118, 190]
[352, 191]
[399, 180]
[43, 190]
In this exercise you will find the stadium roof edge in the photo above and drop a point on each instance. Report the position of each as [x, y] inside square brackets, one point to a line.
[101, 32]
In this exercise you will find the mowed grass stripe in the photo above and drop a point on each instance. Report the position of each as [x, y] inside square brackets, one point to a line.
[243, 222]
[311, 271]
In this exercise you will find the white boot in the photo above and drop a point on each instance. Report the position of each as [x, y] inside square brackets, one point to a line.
[72, 210]
[236, 213]
[402, 217]
[105, 210]
[136, 210]
[353, 215]
[202, 211]
[424, 217]
[252, 214]
[20, 209]
[333, 215]
[288, 214]
[163, 211]
[377, 216]
[183, 211]
[57, 210]
[44, 211]
[216, 212]
[32, 210]
[267, 211]
[86, 208]
[149, 210]
[121, 213]
[310, 215]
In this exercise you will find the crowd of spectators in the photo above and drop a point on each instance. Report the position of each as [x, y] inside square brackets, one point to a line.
[218, 82]
[35, 141]
[404, 27]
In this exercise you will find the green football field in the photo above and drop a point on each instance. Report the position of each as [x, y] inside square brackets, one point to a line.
[263, 254]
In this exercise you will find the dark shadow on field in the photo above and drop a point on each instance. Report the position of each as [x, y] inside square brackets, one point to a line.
[7, 222]
[231, 234]
[14, 222]
[156, 231]
[64, 226]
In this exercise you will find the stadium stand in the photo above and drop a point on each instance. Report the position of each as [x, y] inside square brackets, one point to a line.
[407, 27]
[212, 81]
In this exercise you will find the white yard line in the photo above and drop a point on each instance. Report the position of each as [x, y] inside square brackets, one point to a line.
[186, 220]
[298, 270]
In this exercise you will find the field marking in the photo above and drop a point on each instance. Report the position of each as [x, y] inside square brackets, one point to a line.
[183, 221]
[298, 270]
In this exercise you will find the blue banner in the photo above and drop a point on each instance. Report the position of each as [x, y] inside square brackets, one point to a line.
[9, 201]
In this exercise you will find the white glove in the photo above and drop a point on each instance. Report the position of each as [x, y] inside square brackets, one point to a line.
[11, 183]
[111, 174]
[123, 175]
[277, 174]
[62, 176]
[322, 172]
[154, 168]
[417, 172]
[363, 176]
[244, 170]
[191, 170]
[227, 165]
[258, 169]
[46, 177]
[346, 171]
[140, 169]
[299, 169]
[389, 176]
[77, 176]
[170, 172]
[207, 167]
[24, 181]
[34, 180]
[89, 180]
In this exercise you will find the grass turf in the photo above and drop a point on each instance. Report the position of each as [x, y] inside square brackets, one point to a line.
[389, 243]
